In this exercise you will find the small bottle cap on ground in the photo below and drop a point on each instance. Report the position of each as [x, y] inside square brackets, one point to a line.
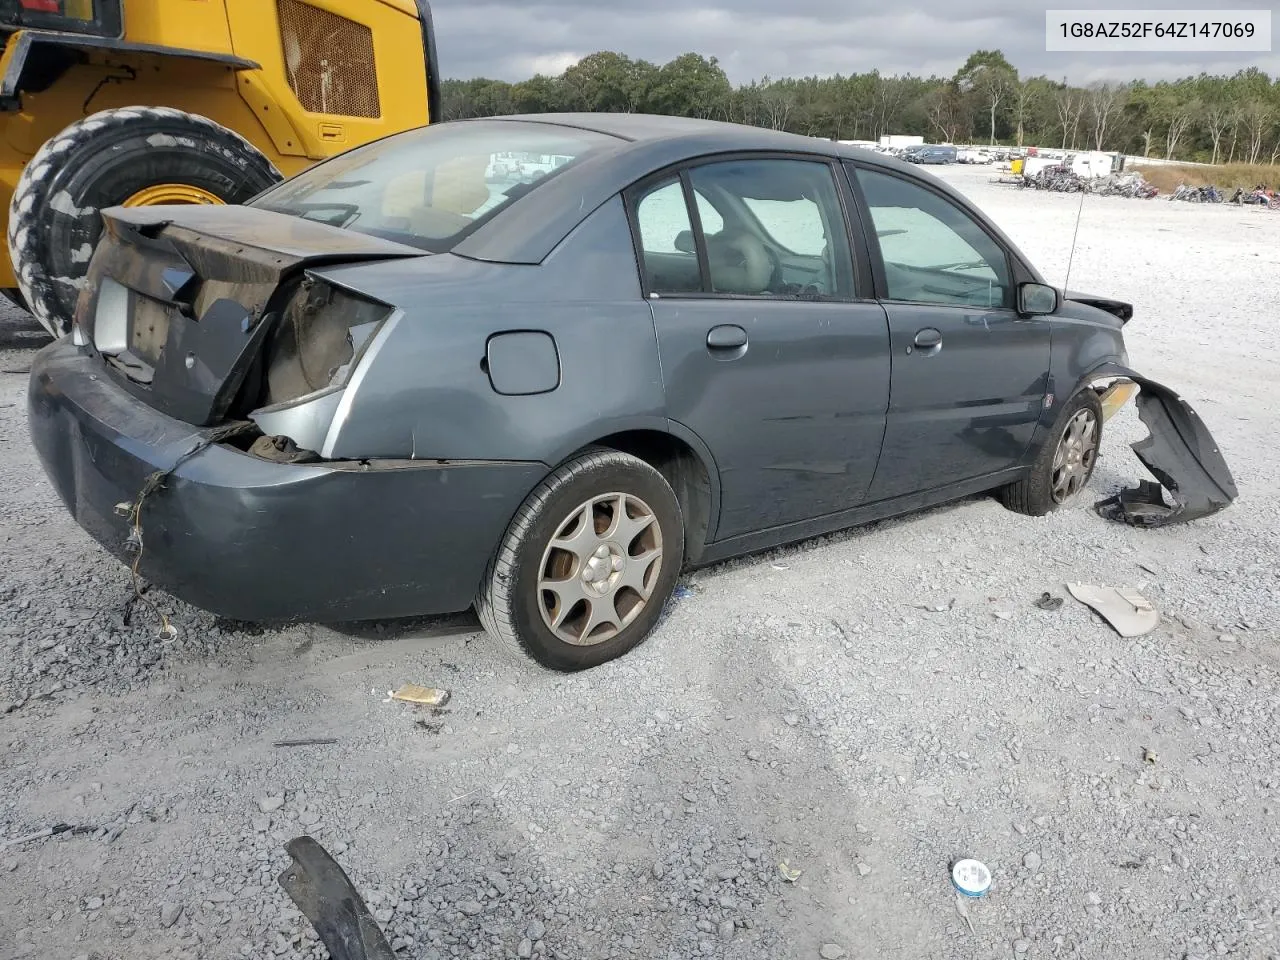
[971, 877]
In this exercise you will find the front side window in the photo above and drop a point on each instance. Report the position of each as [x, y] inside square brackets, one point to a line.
[432, 186]
[933, 251]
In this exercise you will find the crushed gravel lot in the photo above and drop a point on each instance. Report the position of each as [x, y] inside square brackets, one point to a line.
[861, 710]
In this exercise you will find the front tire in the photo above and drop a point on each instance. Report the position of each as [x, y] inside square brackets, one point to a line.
[139, 155]
[587, 565]
[1065, 464]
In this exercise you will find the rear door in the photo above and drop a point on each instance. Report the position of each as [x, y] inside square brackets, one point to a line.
[970, 375]
[773, 349]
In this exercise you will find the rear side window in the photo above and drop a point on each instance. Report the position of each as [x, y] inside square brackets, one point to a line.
[431, 187]
[670, 257]
[933, 251]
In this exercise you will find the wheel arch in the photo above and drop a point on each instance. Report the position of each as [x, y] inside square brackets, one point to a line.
[686, 463]
[1089, 375]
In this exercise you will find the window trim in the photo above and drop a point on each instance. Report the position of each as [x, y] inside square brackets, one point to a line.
[1014, 266]
[859, 261]
[695, 226]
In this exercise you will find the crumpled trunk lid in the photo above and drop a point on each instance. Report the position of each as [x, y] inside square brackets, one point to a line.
[178, 301]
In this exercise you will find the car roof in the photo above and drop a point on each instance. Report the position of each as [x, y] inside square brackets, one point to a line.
[647, 127]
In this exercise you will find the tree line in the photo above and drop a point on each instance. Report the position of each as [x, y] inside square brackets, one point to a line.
[1207, 118]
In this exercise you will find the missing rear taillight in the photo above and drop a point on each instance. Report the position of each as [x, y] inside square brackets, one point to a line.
[322, 333]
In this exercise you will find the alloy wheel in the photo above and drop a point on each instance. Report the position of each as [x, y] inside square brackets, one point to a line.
[599, 570]
[1074, 459]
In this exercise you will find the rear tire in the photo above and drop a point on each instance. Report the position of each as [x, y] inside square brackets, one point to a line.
[1054, 480]
[582, 505]
[102, 161]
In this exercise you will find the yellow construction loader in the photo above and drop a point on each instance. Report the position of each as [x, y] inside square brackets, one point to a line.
[137, 102]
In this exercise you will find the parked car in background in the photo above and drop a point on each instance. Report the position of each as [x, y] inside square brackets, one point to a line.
[932, 154]
[388, 387]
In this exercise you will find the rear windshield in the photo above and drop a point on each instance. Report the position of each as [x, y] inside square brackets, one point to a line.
[432, 186]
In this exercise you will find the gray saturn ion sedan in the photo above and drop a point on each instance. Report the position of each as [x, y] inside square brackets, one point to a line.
[543, 364]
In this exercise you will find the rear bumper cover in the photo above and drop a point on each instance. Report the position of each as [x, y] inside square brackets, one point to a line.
[249, 539]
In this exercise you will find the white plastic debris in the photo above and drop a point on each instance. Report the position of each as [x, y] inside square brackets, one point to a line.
[1128, 611]
[971, 877]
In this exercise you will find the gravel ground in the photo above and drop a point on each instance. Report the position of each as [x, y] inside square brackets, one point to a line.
[861, 709]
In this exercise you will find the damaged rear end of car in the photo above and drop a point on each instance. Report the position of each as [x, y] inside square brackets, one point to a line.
[184, 423]
[207, 321]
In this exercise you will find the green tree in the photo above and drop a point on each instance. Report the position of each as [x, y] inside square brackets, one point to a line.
[990, 77]
[538, 94]
[608, 82]
[945, 107]
[1212, 118]
[691, 85]
[1105, 102]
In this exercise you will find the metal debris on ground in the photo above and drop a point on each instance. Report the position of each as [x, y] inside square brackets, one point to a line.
[789, 874]
[427, 696]
[56, 830]
[1048, 601]
[971, 877]
[306, 742]
[1148, 756]
[1127, 610]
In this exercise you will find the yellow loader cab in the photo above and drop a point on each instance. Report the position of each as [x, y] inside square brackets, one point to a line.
[139, 102]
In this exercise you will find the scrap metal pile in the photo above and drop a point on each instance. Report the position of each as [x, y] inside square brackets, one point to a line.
[1258, 196]
[1062, 179]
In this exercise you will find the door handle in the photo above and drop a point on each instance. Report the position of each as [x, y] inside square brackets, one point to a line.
[928, 337]
[727, 336]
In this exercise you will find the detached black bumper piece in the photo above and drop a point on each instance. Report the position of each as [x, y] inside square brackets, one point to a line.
[1181, 454]
[249, 539]
[326, 896]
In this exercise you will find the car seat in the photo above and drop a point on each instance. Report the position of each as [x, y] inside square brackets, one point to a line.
[739, 263]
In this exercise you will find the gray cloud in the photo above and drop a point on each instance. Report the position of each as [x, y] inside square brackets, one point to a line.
[755, 38]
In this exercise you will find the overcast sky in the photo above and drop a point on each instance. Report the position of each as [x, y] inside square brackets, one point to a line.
[515, 39]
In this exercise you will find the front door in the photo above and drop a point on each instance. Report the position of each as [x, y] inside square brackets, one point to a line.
[767, 353]
[969, 374]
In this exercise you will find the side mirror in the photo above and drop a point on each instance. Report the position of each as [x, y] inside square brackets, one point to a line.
[1037, 299]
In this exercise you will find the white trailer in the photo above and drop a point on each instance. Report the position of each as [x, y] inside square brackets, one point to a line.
[900, 141]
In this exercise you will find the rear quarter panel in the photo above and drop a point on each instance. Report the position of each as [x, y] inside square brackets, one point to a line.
[426, 394]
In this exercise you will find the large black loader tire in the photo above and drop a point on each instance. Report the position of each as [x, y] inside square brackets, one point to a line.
[106, 159]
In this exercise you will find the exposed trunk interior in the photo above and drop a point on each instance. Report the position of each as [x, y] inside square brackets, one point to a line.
[206, 315]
